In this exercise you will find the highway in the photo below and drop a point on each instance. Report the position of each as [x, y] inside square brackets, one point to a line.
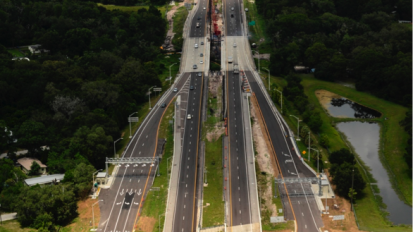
[240, 212]
[185, 203]
[122, 201]
[185, 214]
[301, 205]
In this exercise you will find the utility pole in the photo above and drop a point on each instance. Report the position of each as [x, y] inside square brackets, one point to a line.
[298, 129]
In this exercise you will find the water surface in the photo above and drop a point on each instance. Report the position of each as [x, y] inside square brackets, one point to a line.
[364, 137]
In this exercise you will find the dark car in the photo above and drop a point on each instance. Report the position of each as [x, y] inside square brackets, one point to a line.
[199, 18]
[192, 87]
[163, 105]
[200, 74]
[232, 15]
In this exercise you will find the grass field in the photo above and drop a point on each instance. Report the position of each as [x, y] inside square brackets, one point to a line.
[131, 8]
[257, 32]
[13, 226]
[213, 214]
[16, 53]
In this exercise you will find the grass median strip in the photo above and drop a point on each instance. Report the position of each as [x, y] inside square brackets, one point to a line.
[213, 211]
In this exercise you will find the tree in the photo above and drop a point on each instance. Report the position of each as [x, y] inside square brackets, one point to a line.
[352, 193]
[341, 156]
[342, 178]
[76, 41]
[34, 169]
[31, 135]
[316, 54]
[93, 144]
[82, 178]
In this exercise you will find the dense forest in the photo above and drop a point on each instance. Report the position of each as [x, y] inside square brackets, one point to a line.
[74, 99]
[343, 40]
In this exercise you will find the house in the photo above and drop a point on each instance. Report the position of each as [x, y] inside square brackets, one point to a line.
[55, 178]
[37, 48]
[26, 164]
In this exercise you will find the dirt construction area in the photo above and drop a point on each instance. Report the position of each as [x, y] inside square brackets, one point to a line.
[343, 208]
[264, 162]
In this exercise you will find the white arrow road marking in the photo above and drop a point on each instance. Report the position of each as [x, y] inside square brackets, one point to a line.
[121, 192]
[143, 165]
[127, 203]
[140, 192]
[136, 203]
[119, 203]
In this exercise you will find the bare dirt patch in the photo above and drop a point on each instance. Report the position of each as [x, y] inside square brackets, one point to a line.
[325, 97]
[84, 221]
[215, 82]
[344, 208]
[146, 224]
[215, 133]
[264, 162]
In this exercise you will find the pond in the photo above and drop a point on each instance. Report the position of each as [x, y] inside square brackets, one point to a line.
[338, 106]
[364, 137]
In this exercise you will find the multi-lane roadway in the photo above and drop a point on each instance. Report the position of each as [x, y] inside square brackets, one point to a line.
[122, 201]
[185, 214]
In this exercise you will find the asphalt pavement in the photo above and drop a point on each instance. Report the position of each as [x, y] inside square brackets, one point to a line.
[233, 18]
[199, 18]
[240, 212]
[185, 214]
[121, 202]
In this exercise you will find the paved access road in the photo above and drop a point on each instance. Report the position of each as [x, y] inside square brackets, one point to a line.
[185, 211]
[279, 137]
[122, 201]
[240, 212]
[301, 208]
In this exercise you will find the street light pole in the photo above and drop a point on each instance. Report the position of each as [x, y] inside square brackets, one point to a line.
[170, 75]
[269, 77]
[298, 129]
[130, 127]
[93, 177]
[114, 146]
[281, 99]
[93, 215]
[149, 92]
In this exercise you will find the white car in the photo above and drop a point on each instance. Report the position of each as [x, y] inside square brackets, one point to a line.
[189, 117]
[204, 8]
[232, 8]
[235, 45]
[201, 62]
[196, 45]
